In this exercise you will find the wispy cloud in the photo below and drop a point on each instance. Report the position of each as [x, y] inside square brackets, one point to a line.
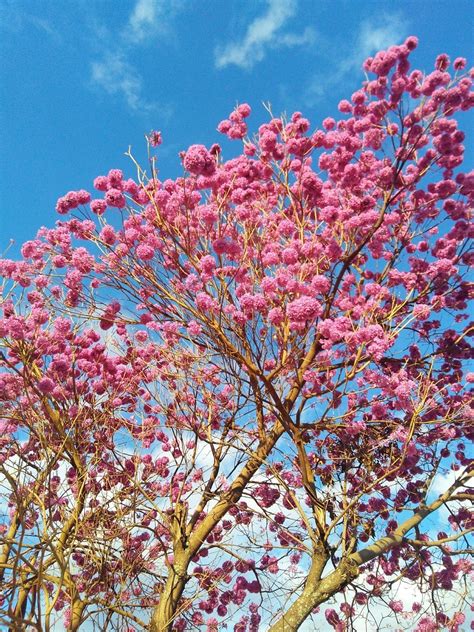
[150, 18]
[264, 33]
[14, 18]
[116, 76]
[144, 17]
[372, 35]
[113, 73]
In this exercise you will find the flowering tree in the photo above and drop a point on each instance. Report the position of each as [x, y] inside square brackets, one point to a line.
[232, 397]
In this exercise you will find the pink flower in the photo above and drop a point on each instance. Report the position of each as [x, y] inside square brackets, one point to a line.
[411, 42]
[276, 316]
[250, 149]
[154, 138]
[67, 617]
[426, 624]
[208, 264]
[332, 617]
[224, 126]
[62, 207]
[115, 197]
[289, 255]
[130, 186]
[320, 284]
[421, 312]
[442, 62]
[329, 123]
[145, 252]
[459, 618]
[304, 309]
[107, 234]
[114, 179]
[244, 110]
[219, 245]
[344, 106]
[194, 328]
[286, 228]
[199, 161]
[459, 63]
[100, 183]
[83, 197]
[235, 127]
[268, 140]
[82, 260]
[46, 386]
[204, 301]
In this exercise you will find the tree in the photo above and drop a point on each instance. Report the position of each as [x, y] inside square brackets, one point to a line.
[233, 397]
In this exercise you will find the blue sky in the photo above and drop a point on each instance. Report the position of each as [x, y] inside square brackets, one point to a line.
[82, 81]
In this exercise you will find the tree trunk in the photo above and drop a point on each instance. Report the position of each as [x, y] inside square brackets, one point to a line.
[315, 593]
[166, 611]
[77, 608]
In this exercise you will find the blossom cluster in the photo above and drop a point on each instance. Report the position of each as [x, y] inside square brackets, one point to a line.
[165, 335]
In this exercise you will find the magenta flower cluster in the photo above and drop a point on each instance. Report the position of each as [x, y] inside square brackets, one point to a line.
[247, 369]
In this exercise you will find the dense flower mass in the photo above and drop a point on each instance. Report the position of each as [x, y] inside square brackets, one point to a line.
[304, 309]
[199, 161]
[242, 397]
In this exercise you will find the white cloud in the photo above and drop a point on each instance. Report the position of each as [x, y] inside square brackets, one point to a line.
[14, 17]
[143, 17]
[116, 76]
[114, 73]
[150, 17]
[307, 37]
[372, 35]
[440, 484]
[262, 34]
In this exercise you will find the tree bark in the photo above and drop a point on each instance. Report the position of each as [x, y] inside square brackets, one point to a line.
[316, 592]
[167, 610]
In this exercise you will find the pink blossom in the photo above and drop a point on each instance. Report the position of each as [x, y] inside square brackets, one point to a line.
[145, 252]
[289, 255]
[219, 245]
[304, 309]
[46, 385]
[115, 197]
[83, 197]
[100, 183]
[421, 312]
[194, 329]
[98, 206]
[205, 302]
[199, 161]
[107, 235]
[459, 63]
[276, 316]
[208, 264]
[244, 110]
[114, 179]
[154, 138]
[320, 284]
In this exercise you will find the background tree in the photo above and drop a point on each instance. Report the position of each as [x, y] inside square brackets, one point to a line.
[231, 397]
